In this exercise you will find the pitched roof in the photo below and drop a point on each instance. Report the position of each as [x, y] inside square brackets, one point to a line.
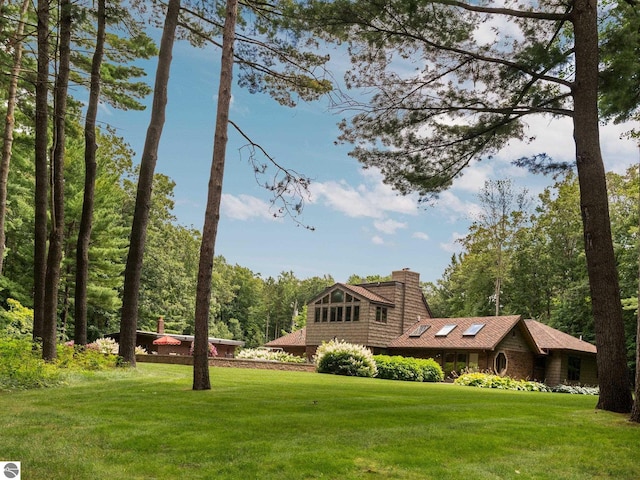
[364, 292]
[548, 338]
[357, 290]
[293, 339]
[487, 338]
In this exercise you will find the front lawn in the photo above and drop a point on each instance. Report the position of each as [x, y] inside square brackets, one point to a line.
[260, 424]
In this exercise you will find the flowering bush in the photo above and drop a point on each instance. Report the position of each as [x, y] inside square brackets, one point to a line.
[213, 351]
[269, 355]
[342, 358]
[104, 345]
[408, 369]
[576, 390]
[489, 380]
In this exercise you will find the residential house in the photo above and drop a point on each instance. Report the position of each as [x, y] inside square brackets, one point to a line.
[161, 343]
[393, 318]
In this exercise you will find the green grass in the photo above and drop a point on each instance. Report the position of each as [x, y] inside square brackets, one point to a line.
[257, 424]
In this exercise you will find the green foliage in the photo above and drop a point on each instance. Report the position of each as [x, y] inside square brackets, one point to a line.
[488, 380]
[408, 369]
[17, 321]
[270, 355]
[342, 358]
[22, 367]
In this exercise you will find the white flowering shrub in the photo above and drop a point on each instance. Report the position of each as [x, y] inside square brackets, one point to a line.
[342, 358]
[269, 355]
[104, 345]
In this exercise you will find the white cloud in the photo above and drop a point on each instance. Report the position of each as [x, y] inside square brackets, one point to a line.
[420, 236]
[372, 198]
[388, 226]
[245, 207]
[453, 245]
[455, 208]
[377, 240]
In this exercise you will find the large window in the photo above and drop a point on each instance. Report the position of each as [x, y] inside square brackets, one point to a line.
[337, 306]
[573, 369]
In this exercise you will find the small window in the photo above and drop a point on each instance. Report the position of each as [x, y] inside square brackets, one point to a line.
[348, 298]
[419, 330]
[501, 363]
[317, 316]
[325, 299]
[446, 330]
[473, 330]
[356, 313]
[381, 314]
[573, 369]
[473, 361]
[332, 317]
[325, 314]
[347, 313]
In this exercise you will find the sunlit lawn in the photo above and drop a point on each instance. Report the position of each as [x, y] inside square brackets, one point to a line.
[257, 424]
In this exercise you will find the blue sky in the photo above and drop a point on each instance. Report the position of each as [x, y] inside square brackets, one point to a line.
[361, 226]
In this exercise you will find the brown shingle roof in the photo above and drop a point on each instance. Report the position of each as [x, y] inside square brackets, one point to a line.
[549, 338]
[293, 339]
[368, 294]
[494, 330]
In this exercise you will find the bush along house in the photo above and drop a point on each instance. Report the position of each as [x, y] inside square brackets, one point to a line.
[393, 318]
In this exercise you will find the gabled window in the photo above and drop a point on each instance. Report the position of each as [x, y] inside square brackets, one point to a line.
[473, 330]
[419, 330]
[446, 330]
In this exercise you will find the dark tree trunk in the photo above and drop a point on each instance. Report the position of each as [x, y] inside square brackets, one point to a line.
[56, 238]
[201, 379]
[133, 269]
[613, 376]
[635, 411]
[9, 125]
[86, 221]
[41, 167]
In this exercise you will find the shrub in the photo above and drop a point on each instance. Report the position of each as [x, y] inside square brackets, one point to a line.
[408, 369]
[489, 380]
[269, 355]
[21, 366]
[576, 390]
[17, 321]
[342, 358]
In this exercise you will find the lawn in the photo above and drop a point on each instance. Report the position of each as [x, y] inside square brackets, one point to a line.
[257, 424]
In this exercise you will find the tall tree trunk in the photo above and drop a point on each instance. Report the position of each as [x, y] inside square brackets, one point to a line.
[613, 376]
[201, 379]
[41, 168]
[133, 269]
[9, 124]
[635, 410]
[86, 221]
[56, 237]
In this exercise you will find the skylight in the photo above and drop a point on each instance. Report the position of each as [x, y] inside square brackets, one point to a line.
[473, 330]
[446, 330]
[419, 330]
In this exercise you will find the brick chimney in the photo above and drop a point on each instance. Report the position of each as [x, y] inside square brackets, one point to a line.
[406, 276]
[161, 324]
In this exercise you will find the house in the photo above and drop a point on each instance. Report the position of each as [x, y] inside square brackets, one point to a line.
[393, 318]
[162, 343]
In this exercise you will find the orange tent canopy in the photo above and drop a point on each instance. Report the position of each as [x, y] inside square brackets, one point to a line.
[167, 340]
